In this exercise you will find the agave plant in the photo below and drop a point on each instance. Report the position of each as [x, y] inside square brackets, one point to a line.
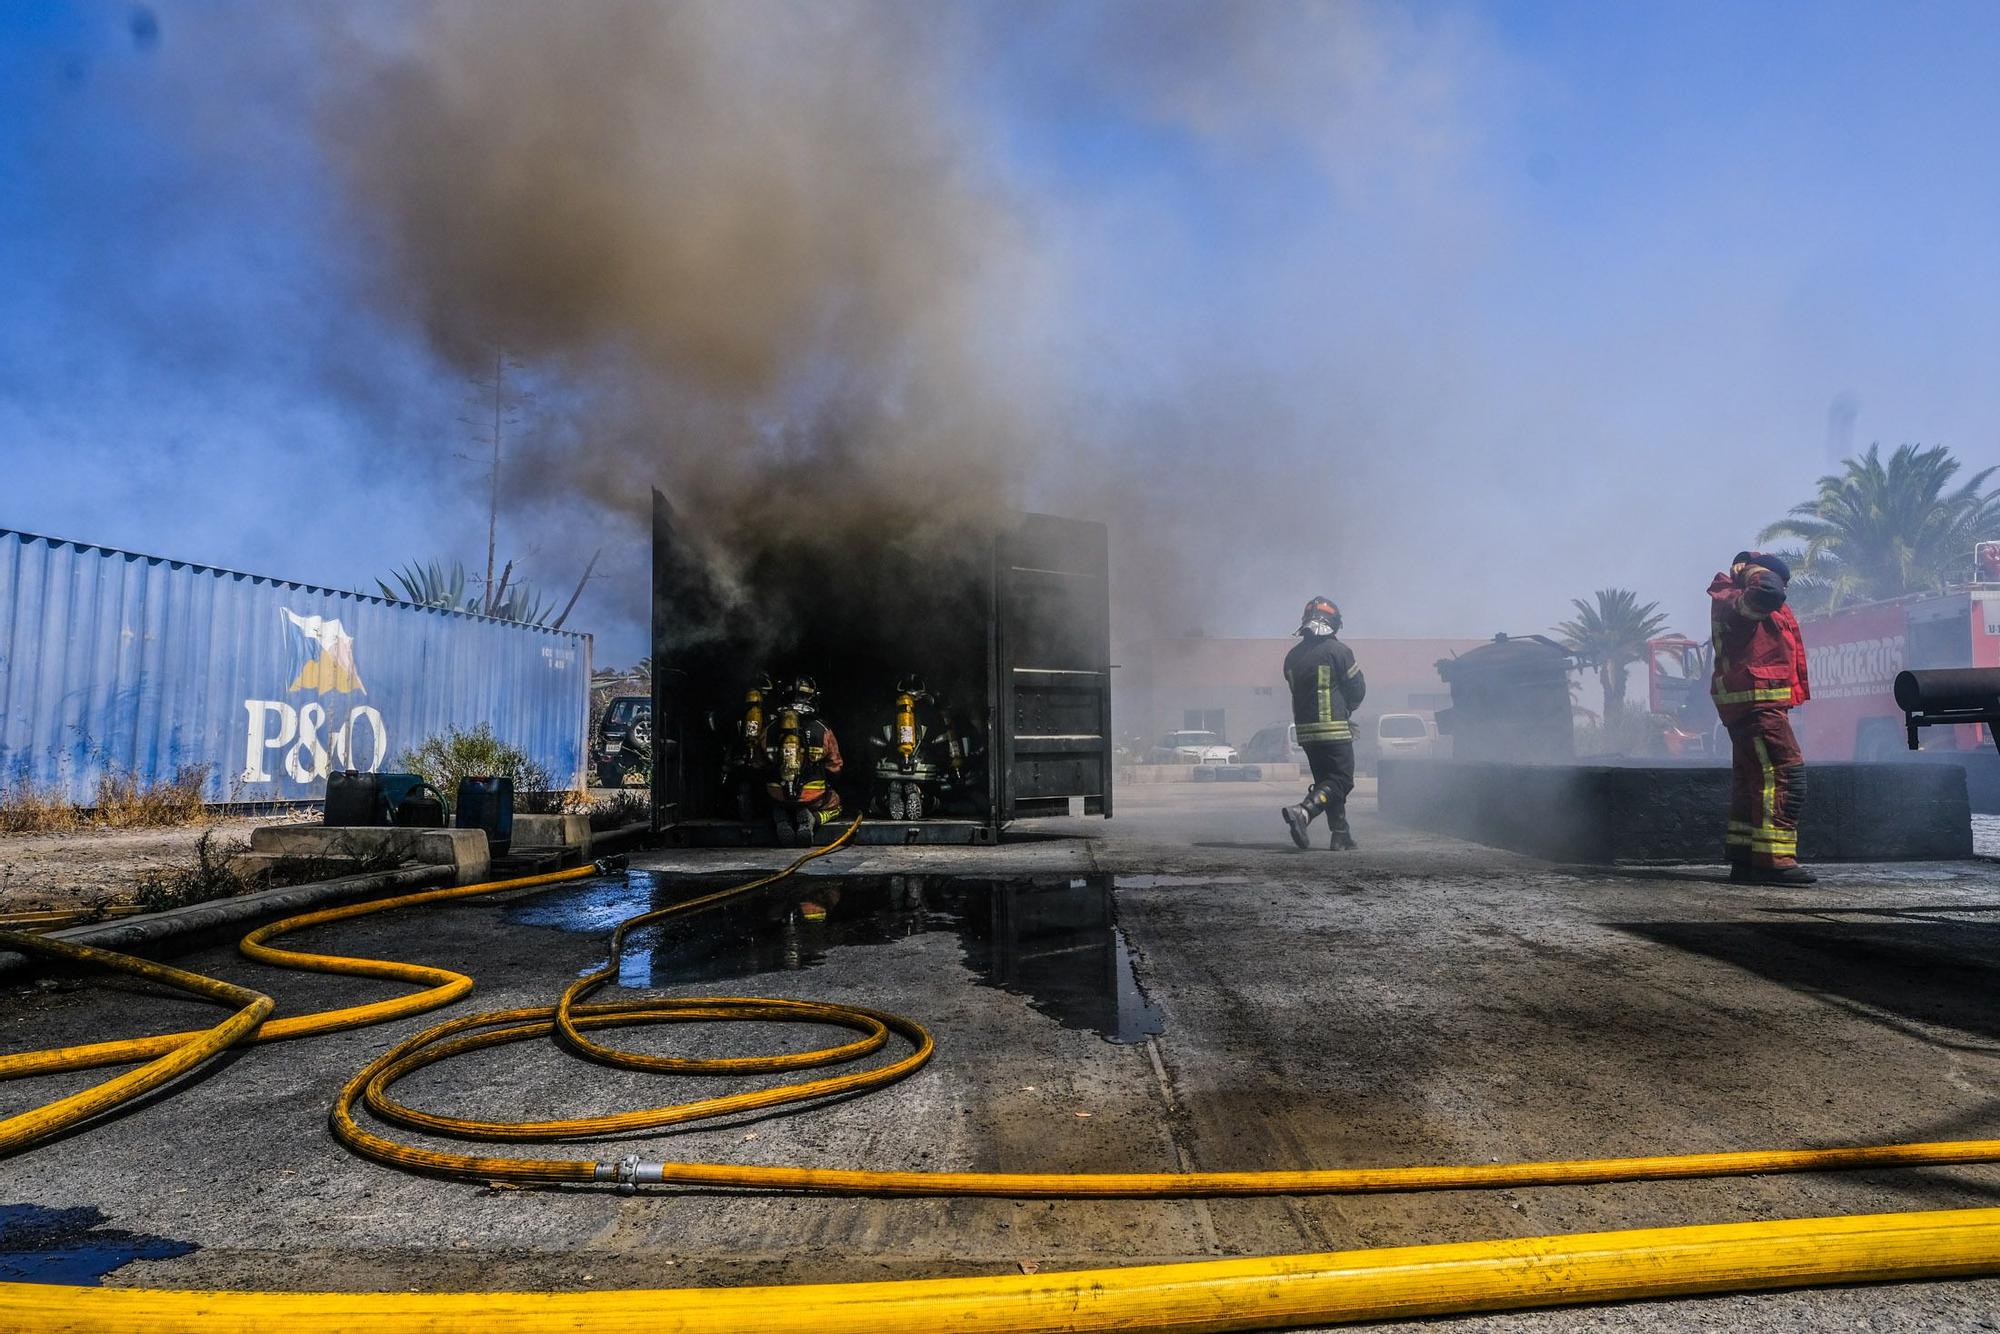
[432, 585]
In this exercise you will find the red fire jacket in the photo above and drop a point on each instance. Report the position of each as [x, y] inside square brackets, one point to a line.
[1760, 657]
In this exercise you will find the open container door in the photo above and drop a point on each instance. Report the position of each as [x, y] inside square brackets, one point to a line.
[685, 604]
[1052, 668]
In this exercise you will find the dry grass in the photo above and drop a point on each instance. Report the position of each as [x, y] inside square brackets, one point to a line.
[208, 876]
[615, 812]
[125, 802]
[26, 808]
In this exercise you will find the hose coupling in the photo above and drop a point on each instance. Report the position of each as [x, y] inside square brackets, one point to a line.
[630, 1173]
[616, 861]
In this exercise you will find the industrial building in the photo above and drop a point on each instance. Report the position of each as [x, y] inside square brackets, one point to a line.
[1234, 687]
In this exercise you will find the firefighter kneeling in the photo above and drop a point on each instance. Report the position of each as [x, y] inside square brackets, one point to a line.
[1327, 688]
[1760, 675]
[802, 756]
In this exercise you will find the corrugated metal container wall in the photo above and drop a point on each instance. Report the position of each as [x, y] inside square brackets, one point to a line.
[113, 662]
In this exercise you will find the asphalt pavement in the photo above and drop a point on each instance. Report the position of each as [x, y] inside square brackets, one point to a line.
[1178, 987]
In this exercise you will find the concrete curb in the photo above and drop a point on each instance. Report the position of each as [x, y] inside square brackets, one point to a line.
[152, 928]
[1602, 814]
[624, 838]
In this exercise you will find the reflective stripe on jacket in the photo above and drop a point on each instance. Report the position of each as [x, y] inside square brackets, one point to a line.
[1760, 657]
[1327, 686]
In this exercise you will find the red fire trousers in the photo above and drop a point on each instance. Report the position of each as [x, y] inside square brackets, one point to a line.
[1767, 790]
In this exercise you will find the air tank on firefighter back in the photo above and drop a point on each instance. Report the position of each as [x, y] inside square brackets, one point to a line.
[1510, 701]
[1009, 628]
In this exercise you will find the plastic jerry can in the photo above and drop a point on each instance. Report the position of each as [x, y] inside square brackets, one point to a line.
[420, 808]
[488, 803]
[355, 800]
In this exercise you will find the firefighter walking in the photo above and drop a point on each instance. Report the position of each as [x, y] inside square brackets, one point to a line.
[1327, 687]
[1760, 676]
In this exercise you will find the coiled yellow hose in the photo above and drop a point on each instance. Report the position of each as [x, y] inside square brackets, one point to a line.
[1214, 1295]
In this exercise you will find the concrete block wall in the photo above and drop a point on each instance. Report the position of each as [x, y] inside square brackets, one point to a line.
[1676, 813]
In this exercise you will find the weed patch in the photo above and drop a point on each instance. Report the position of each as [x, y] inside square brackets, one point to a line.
[616, 812]
[125, 801]
[449, 758]
[27, 808]
[208, 876]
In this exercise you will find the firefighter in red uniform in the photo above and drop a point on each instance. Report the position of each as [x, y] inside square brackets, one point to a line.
[1760, 675]
[802, 760]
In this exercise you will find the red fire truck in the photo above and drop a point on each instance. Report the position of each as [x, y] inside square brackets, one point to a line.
[1854, 654]
[1677, 686]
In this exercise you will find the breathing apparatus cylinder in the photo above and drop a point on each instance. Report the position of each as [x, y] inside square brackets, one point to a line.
[753, 724]
[954, 749]
[791, 754]
[906, 731]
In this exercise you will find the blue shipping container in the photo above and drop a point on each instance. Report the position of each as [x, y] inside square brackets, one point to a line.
[116, 663]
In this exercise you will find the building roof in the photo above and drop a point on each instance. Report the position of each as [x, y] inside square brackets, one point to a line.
[1257, 662]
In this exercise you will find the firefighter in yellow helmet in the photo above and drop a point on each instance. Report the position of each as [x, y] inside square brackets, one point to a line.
[802, 760]
[1327, 687]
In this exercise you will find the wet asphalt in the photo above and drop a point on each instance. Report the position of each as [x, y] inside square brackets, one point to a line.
[1177, 988]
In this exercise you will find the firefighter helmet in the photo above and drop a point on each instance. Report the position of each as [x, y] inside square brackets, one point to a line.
[1321, 617]
[805, 694]
[1769, 560]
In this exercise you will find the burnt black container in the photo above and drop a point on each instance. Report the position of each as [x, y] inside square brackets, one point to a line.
[355, 800]
[1510, 701]
[1009, 626]
[488, 803]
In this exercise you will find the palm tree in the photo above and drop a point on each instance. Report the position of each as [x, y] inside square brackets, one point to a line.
[1611, 636]
[1880, 530]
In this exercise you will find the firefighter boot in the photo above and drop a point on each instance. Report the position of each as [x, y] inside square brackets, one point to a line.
[1296, 820]
[1782, 875]
[805, 823]
[1339, 837]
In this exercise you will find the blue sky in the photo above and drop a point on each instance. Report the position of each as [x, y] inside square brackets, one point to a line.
[1491, 306]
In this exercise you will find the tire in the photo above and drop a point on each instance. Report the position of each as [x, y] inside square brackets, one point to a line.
[610, 773]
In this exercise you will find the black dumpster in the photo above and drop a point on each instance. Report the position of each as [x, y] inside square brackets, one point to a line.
[1010, 629]
[1510, 701]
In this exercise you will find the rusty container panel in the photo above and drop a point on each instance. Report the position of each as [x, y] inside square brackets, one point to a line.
[116, 663]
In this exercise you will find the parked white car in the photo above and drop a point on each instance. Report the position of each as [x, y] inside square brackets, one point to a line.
[1193, 748]
[1277, 744]
[1404, 736]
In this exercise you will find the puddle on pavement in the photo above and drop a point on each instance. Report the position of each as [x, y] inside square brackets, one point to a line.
[1052, 940]
[40, 1245]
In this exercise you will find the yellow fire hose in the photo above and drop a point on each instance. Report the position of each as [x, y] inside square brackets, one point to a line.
[1272, 1292]
[1268, 1292]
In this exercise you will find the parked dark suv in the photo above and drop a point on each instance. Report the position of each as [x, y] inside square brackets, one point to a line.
[625, 741]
